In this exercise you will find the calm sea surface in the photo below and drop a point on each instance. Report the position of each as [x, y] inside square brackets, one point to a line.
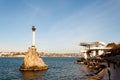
[59, 69]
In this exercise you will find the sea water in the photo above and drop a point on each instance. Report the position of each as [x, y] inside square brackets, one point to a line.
[60, 68]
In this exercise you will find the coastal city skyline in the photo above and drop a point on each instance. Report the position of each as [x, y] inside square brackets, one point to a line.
[61, 24]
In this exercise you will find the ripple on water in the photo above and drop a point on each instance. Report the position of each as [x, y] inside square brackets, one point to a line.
[59, 69]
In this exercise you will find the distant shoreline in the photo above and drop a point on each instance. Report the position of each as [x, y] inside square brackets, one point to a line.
[21, 56]
[16, 54]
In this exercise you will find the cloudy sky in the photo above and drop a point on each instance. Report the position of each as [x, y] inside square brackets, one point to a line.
[61, 24]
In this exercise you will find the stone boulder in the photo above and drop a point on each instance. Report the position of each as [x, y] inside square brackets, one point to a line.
[32, 61]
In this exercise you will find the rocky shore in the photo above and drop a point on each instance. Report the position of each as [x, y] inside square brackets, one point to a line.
[98, 76]
[97, 64]
[106, 66]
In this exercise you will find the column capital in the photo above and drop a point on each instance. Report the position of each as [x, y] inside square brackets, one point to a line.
[33, 28]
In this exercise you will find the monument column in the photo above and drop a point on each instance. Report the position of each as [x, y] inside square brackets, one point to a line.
[31, 59]
[33, 35]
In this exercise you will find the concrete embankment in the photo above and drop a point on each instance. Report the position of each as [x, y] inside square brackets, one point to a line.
[99, 76]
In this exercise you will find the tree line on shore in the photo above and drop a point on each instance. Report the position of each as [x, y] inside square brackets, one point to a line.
[115, 49]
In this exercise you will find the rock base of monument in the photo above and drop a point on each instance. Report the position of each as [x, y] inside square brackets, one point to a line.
[33, 68]
[32, 61]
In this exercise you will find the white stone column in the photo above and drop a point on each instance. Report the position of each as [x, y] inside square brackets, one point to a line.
[33, 35]
[33, 38]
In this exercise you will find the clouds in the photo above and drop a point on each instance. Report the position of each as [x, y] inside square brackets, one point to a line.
[61, 25]
[92, 23]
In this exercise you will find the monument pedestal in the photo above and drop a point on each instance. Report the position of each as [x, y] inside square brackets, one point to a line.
[32, 61]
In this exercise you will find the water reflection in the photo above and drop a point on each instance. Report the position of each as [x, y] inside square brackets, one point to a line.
[32, 75]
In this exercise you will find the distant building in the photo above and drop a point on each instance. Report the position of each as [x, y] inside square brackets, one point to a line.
[92, 49]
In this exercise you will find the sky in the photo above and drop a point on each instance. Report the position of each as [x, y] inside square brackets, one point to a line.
[61, 24]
